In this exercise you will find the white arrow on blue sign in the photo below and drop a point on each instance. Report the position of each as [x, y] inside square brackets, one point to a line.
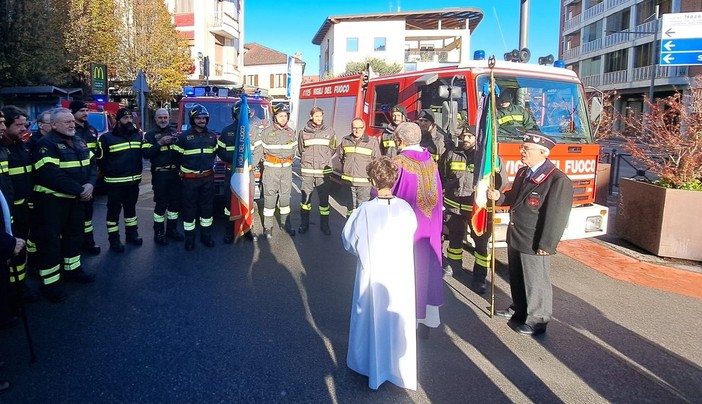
[681, 42]
[681, 58]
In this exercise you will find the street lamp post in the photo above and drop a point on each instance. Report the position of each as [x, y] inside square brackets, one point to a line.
[654, 59]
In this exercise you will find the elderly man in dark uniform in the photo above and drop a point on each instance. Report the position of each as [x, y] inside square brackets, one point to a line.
[540, 200]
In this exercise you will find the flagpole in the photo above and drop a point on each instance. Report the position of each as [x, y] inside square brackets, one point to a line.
[493, 159]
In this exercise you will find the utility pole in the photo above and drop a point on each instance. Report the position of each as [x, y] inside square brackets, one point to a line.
[654, 58]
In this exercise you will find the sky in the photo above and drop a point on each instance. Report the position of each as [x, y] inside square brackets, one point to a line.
[289, 27]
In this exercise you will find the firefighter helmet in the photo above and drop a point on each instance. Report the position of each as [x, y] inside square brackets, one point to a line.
[198, 111]
[235, 110]
[281, 107]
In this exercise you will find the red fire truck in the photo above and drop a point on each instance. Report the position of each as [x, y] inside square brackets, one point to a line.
[453, 93]
[101, 114]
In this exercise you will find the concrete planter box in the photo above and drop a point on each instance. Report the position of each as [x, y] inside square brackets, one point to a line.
[663, 221]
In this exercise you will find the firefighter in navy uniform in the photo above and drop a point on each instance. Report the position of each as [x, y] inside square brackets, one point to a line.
[89, 134]
[20, 170]
[387, 139]
[65, 175]
[457, 172]
[159, 148]
[433, 139]
[197, 148]
[277, 144]
[226, 144]
[355, 152]
[316, 145]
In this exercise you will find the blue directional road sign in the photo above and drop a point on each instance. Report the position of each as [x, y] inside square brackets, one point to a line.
[681, 42]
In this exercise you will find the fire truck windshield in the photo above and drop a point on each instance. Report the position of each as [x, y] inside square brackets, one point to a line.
[220, 113]
[556, 108]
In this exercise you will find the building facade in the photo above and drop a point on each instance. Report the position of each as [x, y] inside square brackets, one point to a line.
[215, 31]
[415, 40]
[614, 45]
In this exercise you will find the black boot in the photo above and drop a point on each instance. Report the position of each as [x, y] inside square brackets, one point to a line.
[205, 238]
[172, 230]
[305, 225]
[115, 244]
[189, 240]
[53, 292]
[324, 225]
[268, 233]
[288, 227]
[160, 234]
[78, 276]
[133, 236]
[89, 246]
[251, 235]
[228, 232]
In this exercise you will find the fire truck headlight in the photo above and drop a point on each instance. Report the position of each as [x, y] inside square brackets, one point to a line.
[593, 223]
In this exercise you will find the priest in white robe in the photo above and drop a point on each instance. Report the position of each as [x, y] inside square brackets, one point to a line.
[382, 336]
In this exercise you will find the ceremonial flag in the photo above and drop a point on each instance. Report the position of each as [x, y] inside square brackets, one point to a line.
[240, 184]
[485, 161]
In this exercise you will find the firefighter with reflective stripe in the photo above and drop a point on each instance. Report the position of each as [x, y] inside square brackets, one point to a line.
[433, 139]
[120, 160]
[457, 170]
[355, 152]
[387, 139]
[226, 144]
[159, 148]
[316, 145]
[20, 170]
[65, 175]
[44, 127]
[90, 135]
[511, 117]
[197, 148]
[277, 145]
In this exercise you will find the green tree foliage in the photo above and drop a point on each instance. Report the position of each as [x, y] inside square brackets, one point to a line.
[152, 43]
[93, 36]
[31, 49]
[379, 66]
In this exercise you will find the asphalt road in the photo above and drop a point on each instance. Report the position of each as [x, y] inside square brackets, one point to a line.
[268, 322]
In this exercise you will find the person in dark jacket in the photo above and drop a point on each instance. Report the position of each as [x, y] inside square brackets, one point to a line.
[511, 117]
[457, 169]
[197, 148]
[65, 175]
[120, 160]
[433, 139]
[540, 201]
[159, 147]
[316, 145]
[20, 169]
[90, 135]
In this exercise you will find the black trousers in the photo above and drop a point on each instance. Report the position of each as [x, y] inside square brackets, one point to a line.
[197, 198]
[122, 197]
[59, 235]
[167, 194]
[457, 227]
[21, 218]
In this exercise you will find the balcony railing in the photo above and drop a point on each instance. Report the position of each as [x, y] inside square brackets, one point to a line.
[591, 81]
[429, 56]
[593, 11]
[644, 73]
[616, 38]
[613, 3]
[591, 46]
[572, 23]
[572, 53]
[618, 76]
